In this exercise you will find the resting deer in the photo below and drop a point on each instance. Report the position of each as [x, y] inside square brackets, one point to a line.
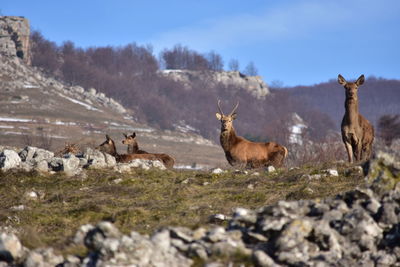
[133, 148]
[239, 151]
[357, 131]
[108, 146]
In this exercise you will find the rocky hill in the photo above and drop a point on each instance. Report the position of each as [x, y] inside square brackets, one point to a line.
[253, 84]
[14, 37]
[41, 111]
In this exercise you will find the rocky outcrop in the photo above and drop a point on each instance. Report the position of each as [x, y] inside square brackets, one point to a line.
[41, 160]
[357, 228]
[253, 84]
[22, 76]
[14, 37]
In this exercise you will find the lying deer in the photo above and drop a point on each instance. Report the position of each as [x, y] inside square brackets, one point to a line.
[108, 146]
[357, 131]
[133, 148]
[239, 151]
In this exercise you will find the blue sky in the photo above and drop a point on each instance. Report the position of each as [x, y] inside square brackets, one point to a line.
[297, 42]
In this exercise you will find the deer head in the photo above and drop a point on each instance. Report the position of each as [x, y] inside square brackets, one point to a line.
[351, 88]
[129, 139]
[226, 120]
[108, 146]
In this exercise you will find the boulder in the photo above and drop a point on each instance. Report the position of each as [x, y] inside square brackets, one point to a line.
[10, 247]
[9, 159]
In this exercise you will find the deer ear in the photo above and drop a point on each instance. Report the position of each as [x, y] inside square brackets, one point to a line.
[360, 80]
[341, 80]
[219, 116]
[107, 137]
[234, 115]
[125, 135]
[134, 134]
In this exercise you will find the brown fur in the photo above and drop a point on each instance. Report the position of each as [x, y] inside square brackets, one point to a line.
[242, 152]
[133, 148]
[108, 146]
[357, 131]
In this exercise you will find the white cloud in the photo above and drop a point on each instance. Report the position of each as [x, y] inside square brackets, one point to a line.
[303, 19]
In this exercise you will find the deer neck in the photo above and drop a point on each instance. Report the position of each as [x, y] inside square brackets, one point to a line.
[113, 151]
[228, 138]
[351, 114]
[132, 148]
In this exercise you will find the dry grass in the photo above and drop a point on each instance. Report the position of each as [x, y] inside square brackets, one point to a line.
[146, 200]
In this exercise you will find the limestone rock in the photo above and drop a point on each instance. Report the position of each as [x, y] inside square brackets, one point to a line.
[9, 159]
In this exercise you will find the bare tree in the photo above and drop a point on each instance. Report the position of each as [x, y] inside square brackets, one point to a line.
[215, 61]
[233, 65]
[251, 69]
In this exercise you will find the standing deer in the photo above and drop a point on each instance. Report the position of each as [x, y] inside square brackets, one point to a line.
[357, 131]
[239, 151]
[133, 148]
[108, 146]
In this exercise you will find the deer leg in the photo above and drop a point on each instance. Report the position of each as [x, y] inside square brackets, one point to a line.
[349, 151]
[358, 151]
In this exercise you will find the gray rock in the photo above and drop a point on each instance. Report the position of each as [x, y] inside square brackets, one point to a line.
[216, 234]
[110, 160]
[95, 159]
[27, 153]
[10, 247]
[244, 216]
[262, 259]
[9, 159]
[56, 164]
[92, 91]
[271, 169]
[81, 233]
[25, 166]
[42, 166]
[43, 258]
[332, 172]
[70, 164]
[42, 154]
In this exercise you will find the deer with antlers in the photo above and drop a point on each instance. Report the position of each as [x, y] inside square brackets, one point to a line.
[108, 146]
[133, 148]
[242, 152]
[357, 131]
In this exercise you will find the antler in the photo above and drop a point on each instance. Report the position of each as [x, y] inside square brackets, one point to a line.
[234, 109]
[219, 107]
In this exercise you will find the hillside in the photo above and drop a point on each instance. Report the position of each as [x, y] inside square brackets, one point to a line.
[184, 94]
[39, 110]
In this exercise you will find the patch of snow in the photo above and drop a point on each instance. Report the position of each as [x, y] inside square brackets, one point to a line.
[296, 129]
[14, 133]
[128, 117]
[87, 106]
[57, 122]
[30, 86]
[191, 139]
[6, 127]
[185, 128]
[169, 71]
[8, 119]
[117, 126]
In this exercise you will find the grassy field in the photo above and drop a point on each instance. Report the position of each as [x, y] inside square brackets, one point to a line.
[146, 200]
